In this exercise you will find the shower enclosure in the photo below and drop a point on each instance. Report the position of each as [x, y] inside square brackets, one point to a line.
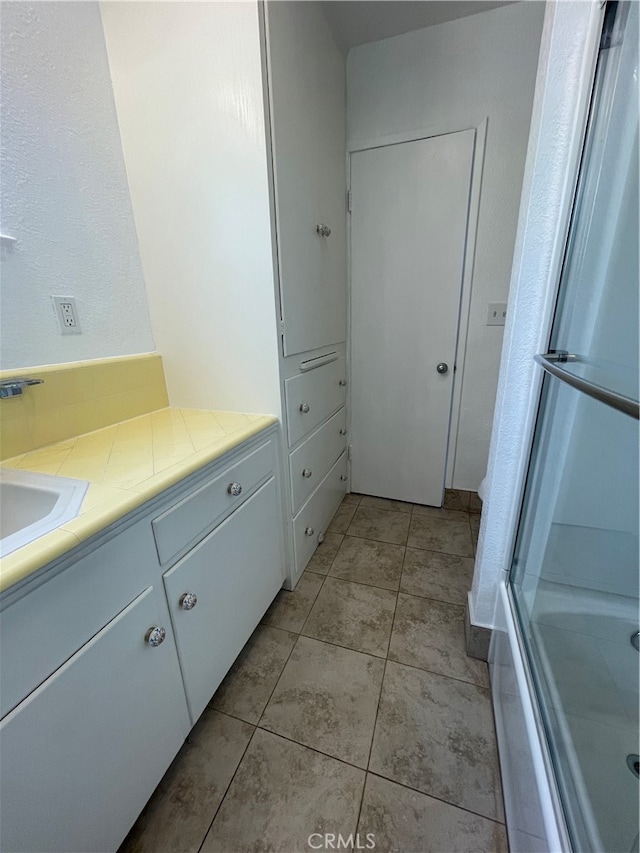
[574, 576]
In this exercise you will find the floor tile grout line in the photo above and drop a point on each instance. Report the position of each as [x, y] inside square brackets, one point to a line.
[366, 770]
[435, 797]
[312, 748]
[373, 730]
[406, 545]
[375, 722]
[450, 677]
[346, 648]
[226, 790]
[362, 583]
[295, 643]
[381, 541]
[386, 656]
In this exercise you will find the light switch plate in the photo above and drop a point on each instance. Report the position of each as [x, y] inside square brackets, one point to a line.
[497, 313]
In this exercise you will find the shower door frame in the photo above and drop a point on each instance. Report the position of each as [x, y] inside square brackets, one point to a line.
[568, 59]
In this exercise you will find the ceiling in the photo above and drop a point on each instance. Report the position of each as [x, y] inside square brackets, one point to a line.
[354, 22]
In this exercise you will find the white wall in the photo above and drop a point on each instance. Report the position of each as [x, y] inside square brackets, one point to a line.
[567, 59]
[187, 80]
[64, 192]
[446, 78]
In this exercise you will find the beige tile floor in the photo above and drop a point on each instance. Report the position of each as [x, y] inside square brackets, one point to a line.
[352, 711]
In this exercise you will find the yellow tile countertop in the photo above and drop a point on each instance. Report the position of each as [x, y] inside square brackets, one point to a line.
[126, 464]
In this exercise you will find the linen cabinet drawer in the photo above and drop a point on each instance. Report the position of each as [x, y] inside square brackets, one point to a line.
[311, 461]
[317, 512]
[218, 593]
[193, 517]
[311, 397]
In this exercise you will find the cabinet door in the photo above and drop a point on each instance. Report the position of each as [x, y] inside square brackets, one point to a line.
[307, 97]
[234, 573]
[81, 755]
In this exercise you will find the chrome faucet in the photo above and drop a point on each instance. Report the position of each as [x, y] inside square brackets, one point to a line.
[15, 387]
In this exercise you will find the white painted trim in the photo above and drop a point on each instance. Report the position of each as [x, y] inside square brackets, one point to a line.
[465, 297]
[568, 55]
[405, 136]
[468, 270]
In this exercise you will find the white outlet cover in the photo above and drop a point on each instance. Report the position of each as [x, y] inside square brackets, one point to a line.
[66, 311]
[496, 314]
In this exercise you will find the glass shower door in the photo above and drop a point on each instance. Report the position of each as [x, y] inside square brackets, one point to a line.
[574, 578]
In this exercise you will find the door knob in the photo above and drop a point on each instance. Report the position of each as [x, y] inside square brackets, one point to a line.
[442, 367]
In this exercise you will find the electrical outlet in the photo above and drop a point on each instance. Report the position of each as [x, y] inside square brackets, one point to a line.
[497, 313]
[64, 307]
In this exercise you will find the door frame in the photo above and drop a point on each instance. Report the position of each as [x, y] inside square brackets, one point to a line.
[477, 167]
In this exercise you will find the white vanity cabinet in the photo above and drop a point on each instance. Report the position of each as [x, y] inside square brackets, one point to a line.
[82, 753]
[219, 591]
[106, 664]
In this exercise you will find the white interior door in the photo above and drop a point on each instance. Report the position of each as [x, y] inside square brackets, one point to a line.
[410, 207]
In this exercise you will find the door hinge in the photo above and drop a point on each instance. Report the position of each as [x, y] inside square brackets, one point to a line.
[282, 327]
[349, 452]
[349, 201]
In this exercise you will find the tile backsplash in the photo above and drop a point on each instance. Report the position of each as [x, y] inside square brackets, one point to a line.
[77, 398]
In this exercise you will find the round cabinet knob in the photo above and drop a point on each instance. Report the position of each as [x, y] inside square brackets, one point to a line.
[323, 230]
[188, 600]
[443, 367]
[343, 432]
[309, 531]
[342, 382]
[155, 636]
[344, 478]
[320, 538]
[306, 473]
[304, 408]
[234, 489]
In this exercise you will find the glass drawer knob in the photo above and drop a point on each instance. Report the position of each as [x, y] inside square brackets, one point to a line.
[306, 473]
[188, 600]
[155, 636]
[234, 489]
[304, 408]
[309, 531]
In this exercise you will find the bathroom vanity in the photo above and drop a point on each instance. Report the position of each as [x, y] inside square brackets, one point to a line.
[112, 649]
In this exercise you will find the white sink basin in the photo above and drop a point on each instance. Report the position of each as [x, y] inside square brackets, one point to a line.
[34, 504]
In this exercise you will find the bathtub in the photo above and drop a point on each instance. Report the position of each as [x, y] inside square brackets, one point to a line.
[585, 671]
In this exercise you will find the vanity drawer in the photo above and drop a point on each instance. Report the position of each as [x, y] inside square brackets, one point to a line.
[186, 523]
[311, 397]
[315, 515]
[311, 461]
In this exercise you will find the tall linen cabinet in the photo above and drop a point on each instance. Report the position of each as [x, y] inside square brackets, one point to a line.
[306, 89]
[232, 119]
